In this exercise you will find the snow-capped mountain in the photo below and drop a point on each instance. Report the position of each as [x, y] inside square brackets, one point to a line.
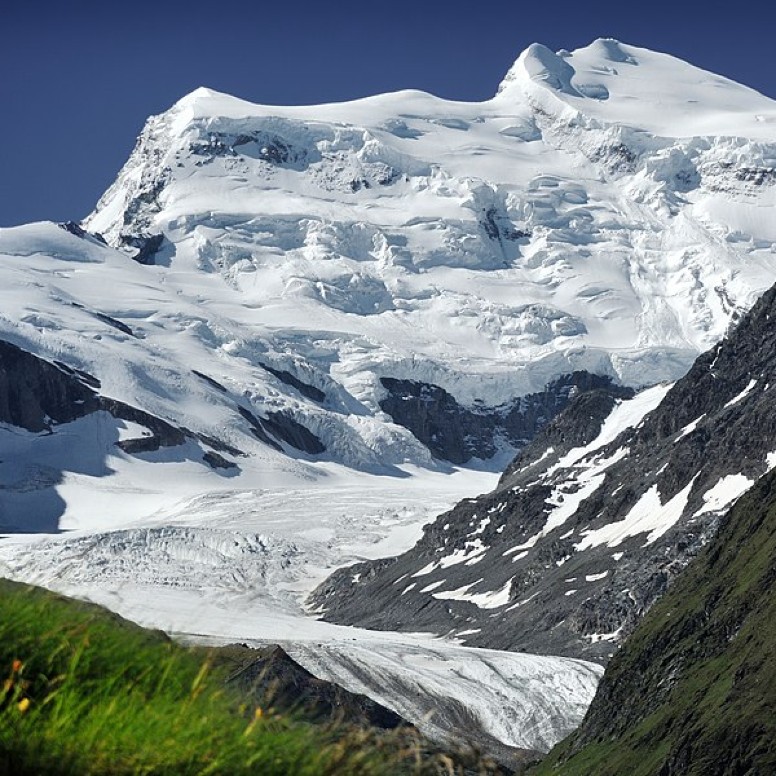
[603, 212]
[287, 337]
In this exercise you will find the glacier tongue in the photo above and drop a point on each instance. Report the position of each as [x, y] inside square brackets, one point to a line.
[226, 567]
[524, 701]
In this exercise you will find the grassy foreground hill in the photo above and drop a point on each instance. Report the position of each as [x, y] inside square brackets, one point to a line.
[693, 690]
[83, 691]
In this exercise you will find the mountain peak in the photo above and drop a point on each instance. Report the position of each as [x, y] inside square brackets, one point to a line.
[205, 102]
[618, 83]
[540, 64]
[196, 98]
[613, 50]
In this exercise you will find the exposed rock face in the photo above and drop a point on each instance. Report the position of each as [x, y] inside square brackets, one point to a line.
[458, 434]
[582, 536]
[148, 245]
[691, 691]
[163, 434]
[280, 426]
[273, 678]
[37, 395]
[217, 461]
[34, 393]
[310, 391]
[292, 432]
[40, 397]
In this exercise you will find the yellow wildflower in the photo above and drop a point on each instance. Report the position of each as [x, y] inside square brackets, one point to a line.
[23, 705]
[257, 715]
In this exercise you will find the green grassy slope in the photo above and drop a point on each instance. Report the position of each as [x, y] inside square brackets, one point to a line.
[84, 692]
[693, 690]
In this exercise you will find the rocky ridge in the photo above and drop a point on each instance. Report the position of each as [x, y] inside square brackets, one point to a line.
[592, 522]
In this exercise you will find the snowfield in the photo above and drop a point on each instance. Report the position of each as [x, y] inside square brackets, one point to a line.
[609, 210]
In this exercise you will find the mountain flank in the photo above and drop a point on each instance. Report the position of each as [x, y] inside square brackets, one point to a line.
[591, 523]
[693, 689]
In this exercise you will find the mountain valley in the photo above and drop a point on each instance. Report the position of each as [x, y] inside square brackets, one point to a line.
[441, 397]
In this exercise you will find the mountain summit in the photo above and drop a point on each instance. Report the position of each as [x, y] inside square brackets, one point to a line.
[613, 82]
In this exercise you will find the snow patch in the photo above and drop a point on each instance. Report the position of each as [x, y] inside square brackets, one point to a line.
[648, 514]
[690, 427]
[749, 388]
[490, 600]
[596, 577]
[724, 493]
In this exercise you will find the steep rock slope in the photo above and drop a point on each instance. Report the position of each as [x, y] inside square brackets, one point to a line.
[692, 691]
[591, 523]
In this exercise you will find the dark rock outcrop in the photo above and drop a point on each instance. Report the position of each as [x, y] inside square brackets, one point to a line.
[217, 461]
[74, 228]
[147, 245]
[307, 390]
[268, 147]
[257, 428]
[162, 433]
[279, 425]
[275, 679]
[116, 324]
[34, 394]
[210, 381]
[282, 426]
[40, 396]
[457, 434]
[37, 395]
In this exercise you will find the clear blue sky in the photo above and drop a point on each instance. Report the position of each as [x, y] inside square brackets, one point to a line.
[78, 79]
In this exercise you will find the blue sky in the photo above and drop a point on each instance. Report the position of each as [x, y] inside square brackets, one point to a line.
[78, 79]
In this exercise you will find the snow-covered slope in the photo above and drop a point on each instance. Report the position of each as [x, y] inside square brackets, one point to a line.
[221, 417]
[587, 217]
